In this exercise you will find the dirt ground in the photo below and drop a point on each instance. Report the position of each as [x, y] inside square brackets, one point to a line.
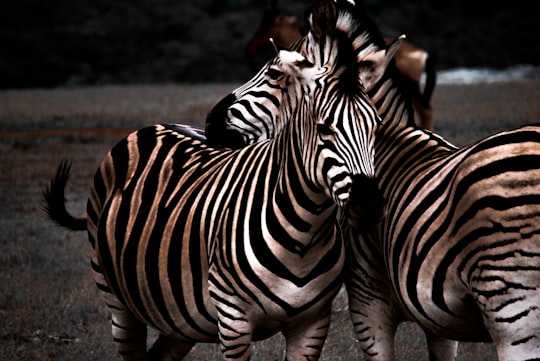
[49, 307]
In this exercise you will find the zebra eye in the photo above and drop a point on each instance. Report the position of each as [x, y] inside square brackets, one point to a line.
[304, 64]
[274, 74]
[325, 129]
[366, 65]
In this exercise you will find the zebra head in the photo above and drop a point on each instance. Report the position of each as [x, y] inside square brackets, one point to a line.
[331, 121]
[249, 114]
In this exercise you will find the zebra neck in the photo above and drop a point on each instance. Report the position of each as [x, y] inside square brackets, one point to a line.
[299, 223]
[401, 151]
[300, 214]
[393, 106]
[401, 147]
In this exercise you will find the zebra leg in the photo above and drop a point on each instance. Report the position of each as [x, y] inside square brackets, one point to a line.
[305, 341]
[371, 302]
[519, 338]
[515, 327]
[441, 349]
[235, 333]
[509, 297]
[167, 348]
[129, 334]
[375, 326]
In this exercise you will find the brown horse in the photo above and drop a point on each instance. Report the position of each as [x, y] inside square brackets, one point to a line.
[411, 60]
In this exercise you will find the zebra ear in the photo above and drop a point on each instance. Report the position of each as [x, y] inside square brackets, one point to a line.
[373, 66]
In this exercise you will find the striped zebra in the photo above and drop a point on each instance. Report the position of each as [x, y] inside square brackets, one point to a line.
[411, 61]
[459, 249]
[211, 245]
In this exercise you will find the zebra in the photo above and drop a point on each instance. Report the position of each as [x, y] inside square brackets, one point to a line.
[458, 251]
[411, 61]
[212, 245]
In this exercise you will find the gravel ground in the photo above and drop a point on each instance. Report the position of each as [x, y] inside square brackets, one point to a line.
[49, 308]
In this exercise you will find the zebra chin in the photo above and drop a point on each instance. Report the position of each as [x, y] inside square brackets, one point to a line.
[366, 205]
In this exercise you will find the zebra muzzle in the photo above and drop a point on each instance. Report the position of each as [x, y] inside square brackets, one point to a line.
[366, 206]
[217, 131]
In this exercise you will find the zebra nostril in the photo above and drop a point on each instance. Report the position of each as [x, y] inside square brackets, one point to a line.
[366, 206]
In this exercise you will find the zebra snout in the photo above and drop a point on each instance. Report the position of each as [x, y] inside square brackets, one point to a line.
[217, 131]
[366, 206]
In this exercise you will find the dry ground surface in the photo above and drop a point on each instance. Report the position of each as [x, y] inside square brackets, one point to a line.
[49, 307]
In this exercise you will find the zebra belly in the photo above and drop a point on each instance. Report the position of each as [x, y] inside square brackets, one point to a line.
[452, 314]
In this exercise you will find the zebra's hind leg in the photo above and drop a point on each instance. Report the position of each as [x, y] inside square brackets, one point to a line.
[305, 341]
[129, 334]
[509, 298]
[519, 338]
[167, 348]
[441, 349]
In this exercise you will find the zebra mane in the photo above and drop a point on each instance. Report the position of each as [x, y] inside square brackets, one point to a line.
[333, 22]
[349, 82]
[353, 33]
[367, 38]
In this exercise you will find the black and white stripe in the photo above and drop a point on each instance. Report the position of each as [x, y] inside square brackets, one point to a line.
[459, 249]
[206, 244]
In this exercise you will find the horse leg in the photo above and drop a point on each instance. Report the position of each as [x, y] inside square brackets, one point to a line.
[424, 111]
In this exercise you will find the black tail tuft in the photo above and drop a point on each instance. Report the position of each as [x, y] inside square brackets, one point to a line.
[55, 202]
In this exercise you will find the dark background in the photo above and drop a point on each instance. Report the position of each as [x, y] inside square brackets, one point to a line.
[84, 42]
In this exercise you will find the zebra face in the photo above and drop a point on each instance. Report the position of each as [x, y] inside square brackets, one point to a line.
[343, 141]
[249, 114]
[336, 134]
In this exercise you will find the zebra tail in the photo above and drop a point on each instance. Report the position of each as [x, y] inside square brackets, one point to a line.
[55, 202]
[431, 79]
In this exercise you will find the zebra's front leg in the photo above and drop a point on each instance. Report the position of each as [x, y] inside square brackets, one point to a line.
[235, 332]
[305, 341]
[375, 323]
[441, 349]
